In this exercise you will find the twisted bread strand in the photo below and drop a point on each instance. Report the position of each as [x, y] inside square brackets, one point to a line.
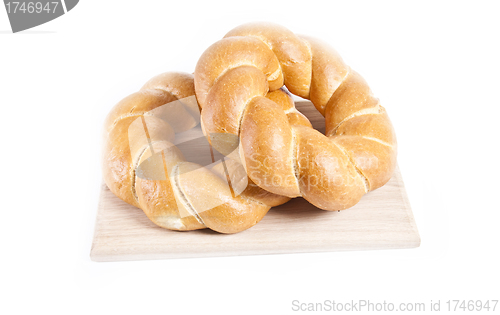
[358, 153]
[187, 196]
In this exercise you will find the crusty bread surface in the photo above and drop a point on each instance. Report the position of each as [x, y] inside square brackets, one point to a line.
[235, 82]
[143, 167]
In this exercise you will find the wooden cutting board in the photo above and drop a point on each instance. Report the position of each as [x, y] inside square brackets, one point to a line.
[381, 220]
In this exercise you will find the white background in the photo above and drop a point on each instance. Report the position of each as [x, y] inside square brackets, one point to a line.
[434, 65]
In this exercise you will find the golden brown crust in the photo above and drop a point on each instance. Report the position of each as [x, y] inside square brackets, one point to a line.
[292, 52]
[352, 96]
[176, 83]
[328, 73]
[326, 171]
[280, 153]
[143, 167]
[231, 53]
[284, 99]
[269, 160]
[223, 108]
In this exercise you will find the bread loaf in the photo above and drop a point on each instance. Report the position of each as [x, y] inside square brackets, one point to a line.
[143, 167]
[332, 171]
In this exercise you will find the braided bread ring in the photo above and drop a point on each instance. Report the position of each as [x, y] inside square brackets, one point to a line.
[192, 197]
[358, 153]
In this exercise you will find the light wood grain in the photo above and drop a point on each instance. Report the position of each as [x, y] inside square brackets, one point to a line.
[381, 220]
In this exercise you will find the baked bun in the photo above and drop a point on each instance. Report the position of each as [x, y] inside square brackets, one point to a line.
[332, 171]
[143, 167]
